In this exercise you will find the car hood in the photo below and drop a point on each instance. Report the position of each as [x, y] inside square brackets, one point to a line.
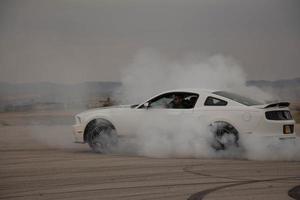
[102, 110]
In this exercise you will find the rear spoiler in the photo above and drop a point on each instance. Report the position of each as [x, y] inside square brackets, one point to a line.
[279, 105]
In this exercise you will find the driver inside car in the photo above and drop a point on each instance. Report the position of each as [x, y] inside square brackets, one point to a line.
[178, 102]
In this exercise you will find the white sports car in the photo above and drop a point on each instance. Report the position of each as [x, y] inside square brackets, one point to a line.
[229, 115]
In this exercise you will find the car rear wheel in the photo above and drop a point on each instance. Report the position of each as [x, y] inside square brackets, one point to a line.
[224, 135]
[102, 136]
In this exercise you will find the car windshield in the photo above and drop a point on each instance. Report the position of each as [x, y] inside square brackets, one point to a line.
[134, 105]
[240, 99]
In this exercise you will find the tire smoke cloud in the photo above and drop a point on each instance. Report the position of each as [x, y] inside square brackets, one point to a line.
[159, 137]
[150, 74]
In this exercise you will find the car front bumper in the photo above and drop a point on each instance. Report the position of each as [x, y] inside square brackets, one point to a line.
[78, 131]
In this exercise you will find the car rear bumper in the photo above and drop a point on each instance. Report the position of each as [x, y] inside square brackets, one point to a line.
[78, 131]
[269, 128]
[282, 137]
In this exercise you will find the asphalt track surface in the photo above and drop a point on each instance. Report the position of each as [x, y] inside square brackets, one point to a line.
[31, 168]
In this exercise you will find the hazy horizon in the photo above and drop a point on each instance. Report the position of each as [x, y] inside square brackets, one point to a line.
[119, 81]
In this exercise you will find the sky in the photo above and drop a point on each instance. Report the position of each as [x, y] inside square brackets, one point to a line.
[72, 41]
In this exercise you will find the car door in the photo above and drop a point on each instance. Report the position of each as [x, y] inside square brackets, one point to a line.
[132, 120]
[161, 112]
[156, 113]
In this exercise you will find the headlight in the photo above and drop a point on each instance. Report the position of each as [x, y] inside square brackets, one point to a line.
[78, 120]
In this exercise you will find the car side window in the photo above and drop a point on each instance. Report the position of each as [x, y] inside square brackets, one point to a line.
[212, 101]
[162, 102]
[174, 100]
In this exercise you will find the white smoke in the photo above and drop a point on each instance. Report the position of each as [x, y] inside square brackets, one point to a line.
[54, 136]
[185, 137]
[188, 137]
[182, 137]
[150, 74]
[263, 148]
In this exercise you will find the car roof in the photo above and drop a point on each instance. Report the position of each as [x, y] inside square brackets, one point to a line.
[192, 90]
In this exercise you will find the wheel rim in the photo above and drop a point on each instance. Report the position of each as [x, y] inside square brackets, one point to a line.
[102, 139]
[225, 136]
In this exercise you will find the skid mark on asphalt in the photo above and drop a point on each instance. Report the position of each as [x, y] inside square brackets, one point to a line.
[294, 192]
[190, 171]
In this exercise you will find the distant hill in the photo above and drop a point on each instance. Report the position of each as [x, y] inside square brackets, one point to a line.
[27, 94]
[55, 88]
[275, 84]
[285, 89]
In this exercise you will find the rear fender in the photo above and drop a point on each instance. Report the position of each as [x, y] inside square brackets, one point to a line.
[228, 121]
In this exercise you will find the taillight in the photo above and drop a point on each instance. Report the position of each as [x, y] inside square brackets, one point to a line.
[288, 129]
[279, 115]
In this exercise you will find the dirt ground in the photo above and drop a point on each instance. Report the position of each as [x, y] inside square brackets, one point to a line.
[35, 164]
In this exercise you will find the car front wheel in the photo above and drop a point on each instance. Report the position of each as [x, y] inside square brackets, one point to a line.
[102, 136]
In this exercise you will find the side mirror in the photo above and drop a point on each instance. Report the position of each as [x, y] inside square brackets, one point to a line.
[146, 105]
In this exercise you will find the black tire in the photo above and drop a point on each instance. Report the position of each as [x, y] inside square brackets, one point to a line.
[224, 136]
[101, 136]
